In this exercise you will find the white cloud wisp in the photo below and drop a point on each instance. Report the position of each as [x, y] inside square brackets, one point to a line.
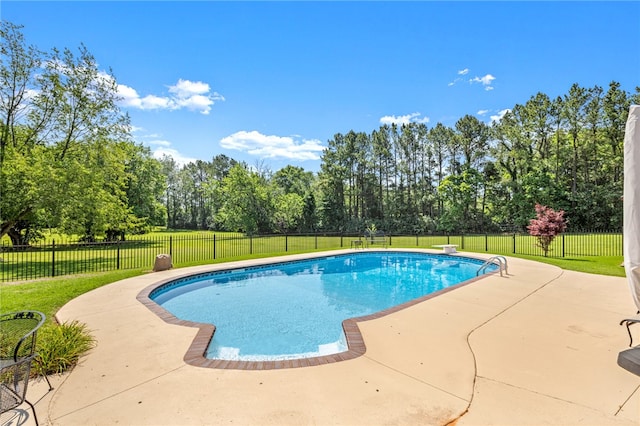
[181, 160]
[404, 119]
[272, 146]
[192, 95]
[485, 81]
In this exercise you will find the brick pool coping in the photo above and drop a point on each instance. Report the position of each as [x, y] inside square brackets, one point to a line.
[195, 354]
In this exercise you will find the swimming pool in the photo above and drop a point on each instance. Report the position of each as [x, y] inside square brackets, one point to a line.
[305, 308]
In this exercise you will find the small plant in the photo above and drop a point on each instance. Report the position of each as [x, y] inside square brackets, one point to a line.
[547, 225]
[60, 347]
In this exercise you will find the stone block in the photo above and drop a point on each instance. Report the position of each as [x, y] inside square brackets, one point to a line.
[163, 263]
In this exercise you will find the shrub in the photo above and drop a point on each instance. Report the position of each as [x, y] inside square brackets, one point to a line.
[547, 225]
[60, 347]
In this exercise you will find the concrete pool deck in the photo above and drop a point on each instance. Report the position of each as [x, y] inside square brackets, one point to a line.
[537, 346]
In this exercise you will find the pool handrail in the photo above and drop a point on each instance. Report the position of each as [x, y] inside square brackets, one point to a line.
[499, 261]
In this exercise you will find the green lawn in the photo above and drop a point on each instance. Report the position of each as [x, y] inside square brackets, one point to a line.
[139, 252]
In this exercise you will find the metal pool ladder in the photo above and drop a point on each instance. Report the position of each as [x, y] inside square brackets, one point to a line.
[501, 261]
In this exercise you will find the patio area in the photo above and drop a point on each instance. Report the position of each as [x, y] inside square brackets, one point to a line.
[537, 346]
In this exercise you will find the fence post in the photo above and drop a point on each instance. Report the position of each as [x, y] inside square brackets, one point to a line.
[486, 242]
[417, 244]
[53, 258]
[514, 243]
[316, 241]
[462, 241]
[286, 242]
[341, 236]
[250, 244]
[171, 246]
[117, 254]
[562, 245]
[214, 246]
[448, 241]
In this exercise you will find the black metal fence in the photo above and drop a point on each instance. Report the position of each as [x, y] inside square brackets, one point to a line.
[57, 258]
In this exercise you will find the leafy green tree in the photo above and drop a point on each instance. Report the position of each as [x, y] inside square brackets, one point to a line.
[574, 112]
[18, 67]
[441, 138]
[97, 180]
[459, 193]
[299, 212]
[332, 178]
[289, 209]
[170, 170]
[54, 109]
[220, 166]
[473, 135]
[292, 179]
[197, 204]
[27, 177]
[247, 203]
[218, 170]
[381, 158]
[309, 220]
[145, 185]
[615, 113]
[539, 119]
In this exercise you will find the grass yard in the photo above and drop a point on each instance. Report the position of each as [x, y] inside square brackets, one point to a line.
[53, 258]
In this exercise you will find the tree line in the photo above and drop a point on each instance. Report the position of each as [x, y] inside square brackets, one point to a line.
[565, 152]
[68, 161]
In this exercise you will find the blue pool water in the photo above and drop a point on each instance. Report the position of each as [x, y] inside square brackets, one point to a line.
[295, 309]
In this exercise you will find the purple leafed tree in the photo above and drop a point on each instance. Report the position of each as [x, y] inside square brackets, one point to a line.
[547, 225]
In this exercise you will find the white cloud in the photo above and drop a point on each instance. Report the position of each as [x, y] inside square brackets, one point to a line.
[180, 159]
[458, 79]
[186, 88]
[159, 142]
[485, 81]
[129, 96]
[404, 119]
[161, 147]
[482, 112]
[272, 146]
[156, 102]
[192, 95]
[500, 114]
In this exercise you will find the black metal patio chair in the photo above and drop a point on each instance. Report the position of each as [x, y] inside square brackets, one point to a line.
[629, 359]
[18, 333]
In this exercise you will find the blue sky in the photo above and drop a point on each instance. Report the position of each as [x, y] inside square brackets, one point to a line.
[271, 82]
